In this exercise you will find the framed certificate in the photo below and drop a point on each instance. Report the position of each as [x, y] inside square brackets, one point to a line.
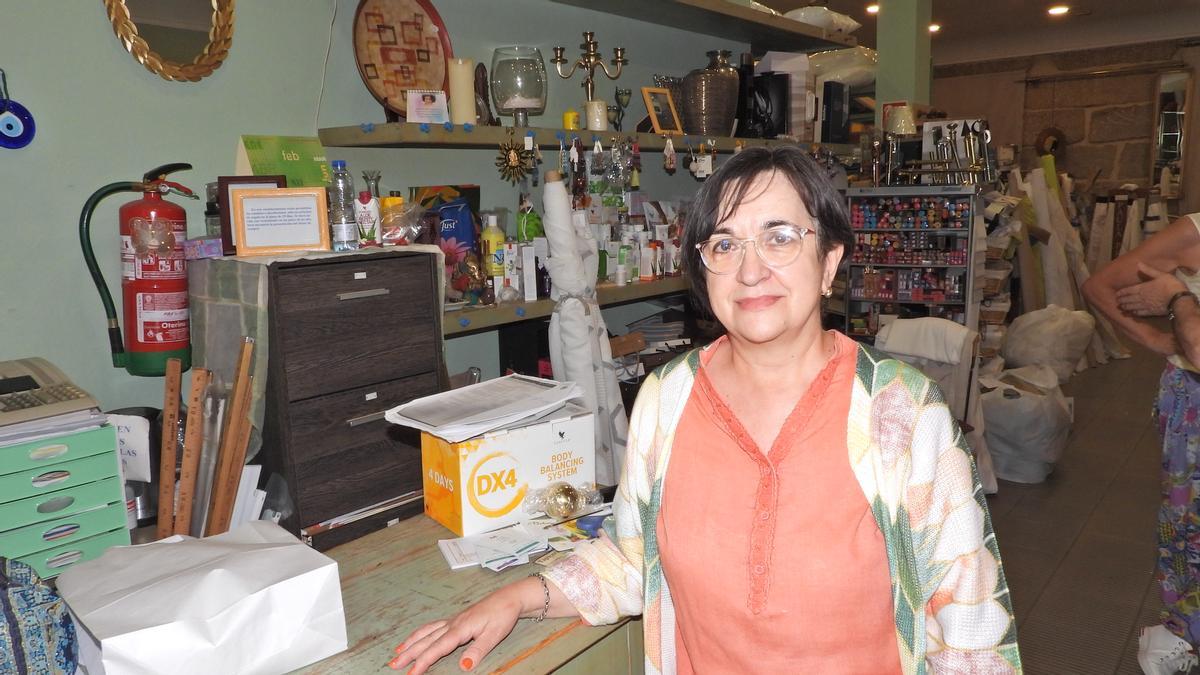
[283, 220]
[225, 187]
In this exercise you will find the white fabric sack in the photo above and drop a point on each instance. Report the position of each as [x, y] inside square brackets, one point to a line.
[579, 349]
[1027, 425]
[251, 601]
[1053, 337]
[823, 17]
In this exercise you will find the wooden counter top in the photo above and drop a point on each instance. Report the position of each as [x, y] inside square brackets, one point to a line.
[395, 579]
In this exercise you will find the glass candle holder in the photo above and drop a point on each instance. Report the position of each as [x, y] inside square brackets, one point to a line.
[518, 80]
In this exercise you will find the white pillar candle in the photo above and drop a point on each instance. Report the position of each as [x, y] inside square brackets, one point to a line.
[597, 115]
[462, 91]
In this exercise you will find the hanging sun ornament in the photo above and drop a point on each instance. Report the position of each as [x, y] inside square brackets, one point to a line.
[514, 161]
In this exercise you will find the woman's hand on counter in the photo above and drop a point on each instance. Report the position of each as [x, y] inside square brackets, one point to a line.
[483, 624]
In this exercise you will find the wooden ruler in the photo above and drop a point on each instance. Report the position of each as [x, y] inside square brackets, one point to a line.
[193, 441]
[231, 455]
[166, 463]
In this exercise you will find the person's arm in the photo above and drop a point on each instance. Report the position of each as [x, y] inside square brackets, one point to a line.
[1187, 327]
[1177, 245]
[483, 624]
[1160, 294]
[969, 621]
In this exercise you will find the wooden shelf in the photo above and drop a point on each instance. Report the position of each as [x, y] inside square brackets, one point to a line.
[719, 18]
[406, 135]
[474, 319]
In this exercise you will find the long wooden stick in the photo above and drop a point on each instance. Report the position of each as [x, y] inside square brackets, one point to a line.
[193, 440]
[166, 462]
[228, 471]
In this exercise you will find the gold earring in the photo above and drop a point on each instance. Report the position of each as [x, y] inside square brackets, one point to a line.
[828, 292]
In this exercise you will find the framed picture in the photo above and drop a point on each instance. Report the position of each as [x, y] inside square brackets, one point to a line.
[225, 187]
[280, 220]
[428, 106]
[661, 107]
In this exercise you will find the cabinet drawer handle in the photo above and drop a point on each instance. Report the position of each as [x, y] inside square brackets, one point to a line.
[55, 504]
[48, 452]
[365, 419]
[64, 559]
[50, 478]
[60, 532]
[371, 292]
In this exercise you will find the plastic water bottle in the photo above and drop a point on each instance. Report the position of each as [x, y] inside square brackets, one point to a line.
[342, 223]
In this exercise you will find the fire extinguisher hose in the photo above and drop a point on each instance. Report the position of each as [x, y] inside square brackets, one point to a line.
[116, 343]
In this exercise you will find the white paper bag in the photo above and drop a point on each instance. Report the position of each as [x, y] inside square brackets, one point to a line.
[253, 600]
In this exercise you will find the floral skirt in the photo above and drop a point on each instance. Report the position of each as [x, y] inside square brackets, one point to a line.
[1178, 411]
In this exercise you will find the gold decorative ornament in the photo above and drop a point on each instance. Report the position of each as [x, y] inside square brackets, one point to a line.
[562, 500]
[220, 37]
[514, 161]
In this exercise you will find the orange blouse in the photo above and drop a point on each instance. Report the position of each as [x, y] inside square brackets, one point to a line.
[773, 560]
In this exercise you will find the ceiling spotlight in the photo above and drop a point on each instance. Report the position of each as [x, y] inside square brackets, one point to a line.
[873, 9]
[1058, 10]
[935, 27]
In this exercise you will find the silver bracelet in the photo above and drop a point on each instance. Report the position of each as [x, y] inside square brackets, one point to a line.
[546, 592]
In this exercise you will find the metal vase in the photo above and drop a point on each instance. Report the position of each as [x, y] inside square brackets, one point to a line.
[710, 96]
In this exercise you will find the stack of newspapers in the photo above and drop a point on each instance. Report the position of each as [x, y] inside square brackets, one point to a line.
[459, 414]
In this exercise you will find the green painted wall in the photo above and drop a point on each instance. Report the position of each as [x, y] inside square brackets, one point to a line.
[103, 118]
[905, 70]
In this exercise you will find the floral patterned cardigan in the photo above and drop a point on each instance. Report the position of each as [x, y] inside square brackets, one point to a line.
[952, 607]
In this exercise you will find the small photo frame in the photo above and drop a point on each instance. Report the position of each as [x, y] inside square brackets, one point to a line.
[427, 106]
[663, 117]
[280, 220]
[225, 188]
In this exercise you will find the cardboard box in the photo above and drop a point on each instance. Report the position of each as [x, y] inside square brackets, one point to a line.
[480, 484]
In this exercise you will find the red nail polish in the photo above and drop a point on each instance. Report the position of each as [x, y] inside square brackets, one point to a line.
[399, 648]
[467, 663]
[394, 664]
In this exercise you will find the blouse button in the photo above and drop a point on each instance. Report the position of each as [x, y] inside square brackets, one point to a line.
[765, 515]
[759, 569]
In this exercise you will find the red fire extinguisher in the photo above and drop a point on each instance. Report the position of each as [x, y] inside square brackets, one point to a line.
[154, 289]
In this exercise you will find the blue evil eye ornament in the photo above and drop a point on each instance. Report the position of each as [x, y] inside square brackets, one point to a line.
[16, 124]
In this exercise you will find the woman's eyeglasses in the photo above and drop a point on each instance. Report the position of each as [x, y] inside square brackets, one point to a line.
[776, 246]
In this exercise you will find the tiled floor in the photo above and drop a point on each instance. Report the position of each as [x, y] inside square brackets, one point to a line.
[1079, 549]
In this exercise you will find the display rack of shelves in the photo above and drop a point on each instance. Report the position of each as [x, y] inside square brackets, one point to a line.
[719, 18]
[913, 255]
[411, 135]
[936, 266]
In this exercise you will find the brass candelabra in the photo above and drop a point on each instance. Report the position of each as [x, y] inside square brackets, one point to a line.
[589, 60]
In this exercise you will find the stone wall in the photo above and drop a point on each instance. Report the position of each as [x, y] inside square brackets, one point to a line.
[1108, 120]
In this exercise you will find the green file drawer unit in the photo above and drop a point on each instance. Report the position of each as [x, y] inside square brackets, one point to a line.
[61, 500]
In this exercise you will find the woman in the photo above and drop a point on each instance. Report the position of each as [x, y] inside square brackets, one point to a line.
[820, 513]
[1142, 283]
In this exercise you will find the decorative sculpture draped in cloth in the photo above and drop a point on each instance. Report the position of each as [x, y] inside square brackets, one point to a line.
[579, 350]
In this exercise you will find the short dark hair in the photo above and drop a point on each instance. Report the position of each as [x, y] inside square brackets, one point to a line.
[728, 188]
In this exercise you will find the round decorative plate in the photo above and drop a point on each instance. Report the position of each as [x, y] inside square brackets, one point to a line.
[400, 45]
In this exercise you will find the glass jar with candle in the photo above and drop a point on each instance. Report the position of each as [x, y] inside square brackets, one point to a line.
[518, 80]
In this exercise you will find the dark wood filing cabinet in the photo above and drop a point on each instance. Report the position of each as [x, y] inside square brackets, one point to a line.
[350, 337]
